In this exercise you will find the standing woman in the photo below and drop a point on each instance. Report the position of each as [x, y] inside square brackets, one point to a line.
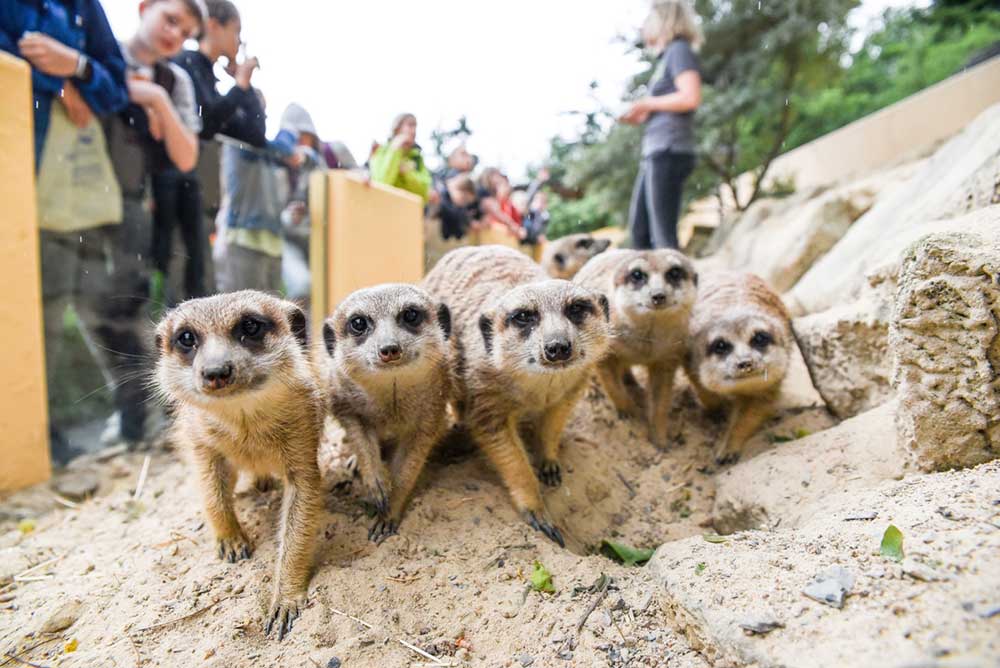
[668, 143]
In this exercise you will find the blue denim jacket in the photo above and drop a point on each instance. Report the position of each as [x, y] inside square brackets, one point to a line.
[82, 25]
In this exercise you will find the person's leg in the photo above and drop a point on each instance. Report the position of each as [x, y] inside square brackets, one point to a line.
[165, 214]
[195, 239]
[664, 189]
[638, 215]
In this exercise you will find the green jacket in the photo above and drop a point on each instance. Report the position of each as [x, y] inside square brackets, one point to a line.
[384, 168]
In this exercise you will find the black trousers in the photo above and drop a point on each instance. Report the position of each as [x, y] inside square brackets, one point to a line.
[656, 199]
[177, 204]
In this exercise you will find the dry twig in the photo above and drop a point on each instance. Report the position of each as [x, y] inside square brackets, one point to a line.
[414, 648]
[186, 617]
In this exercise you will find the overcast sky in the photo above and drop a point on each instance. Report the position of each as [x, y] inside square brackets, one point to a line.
[513, 68]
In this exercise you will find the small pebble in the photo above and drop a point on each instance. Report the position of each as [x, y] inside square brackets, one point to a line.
[526, 660]
[333, 663]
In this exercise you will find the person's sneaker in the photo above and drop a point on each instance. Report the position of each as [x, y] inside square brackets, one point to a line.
[61, 450]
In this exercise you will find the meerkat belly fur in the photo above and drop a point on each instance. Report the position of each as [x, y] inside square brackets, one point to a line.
[237, 371]
[565, 256]
[524, 348]
[741, 340]
[651, 295]
[389, 375]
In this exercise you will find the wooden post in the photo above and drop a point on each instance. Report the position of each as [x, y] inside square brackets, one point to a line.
[24, 445]
[369, 234]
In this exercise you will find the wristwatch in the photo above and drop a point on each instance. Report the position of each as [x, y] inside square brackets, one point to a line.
[84, 70]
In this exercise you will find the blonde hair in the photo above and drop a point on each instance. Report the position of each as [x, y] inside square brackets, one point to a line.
[669, 20]
[398, 121]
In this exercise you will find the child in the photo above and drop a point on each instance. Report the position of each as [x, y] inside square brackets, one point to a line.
[400, 163]
[295, 218]
[158, 130]
[456, 197]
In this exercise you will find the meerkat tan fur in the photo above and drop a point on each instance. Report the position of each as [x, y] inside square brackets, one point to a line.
[237, 371]
[389, 377]
[525, 345]
[565, 256]
[741, 341]
[651, 294]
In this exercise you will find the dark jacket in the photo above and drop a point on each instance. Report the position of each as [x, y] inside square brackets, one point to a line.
[82, 25]
[236, 114]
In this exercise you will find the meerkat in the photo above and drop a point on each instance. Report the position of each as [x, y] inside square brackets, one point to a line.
[524, 347]
[565, 256]
[389, 378]
[740, 344]
[237, 371]
[651, 294]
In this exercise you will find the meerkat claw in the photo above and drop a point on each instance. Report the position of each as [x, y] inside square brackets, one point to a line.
[551, 473]
[233, 550]
[545, 527]
[281, 617]
[382, 529]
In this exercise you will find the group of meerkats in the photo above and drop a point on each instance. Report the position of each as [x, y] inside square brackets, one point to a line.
[490, 334]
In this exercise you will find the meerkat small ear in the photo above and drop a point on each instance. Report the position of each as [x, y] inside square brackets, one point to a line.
[603, 301]
[444, 319]
[329, 338]
[158, 343]
[486, 327]
[560, 260]
[298, 325]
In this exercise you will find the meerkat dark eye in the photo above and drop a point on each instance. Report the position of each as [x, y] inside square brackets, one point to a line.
[637, 277]
[584, 243]
[411, 317]
[578, 311]
[761, 340]
[358, 325]
[186, 340]
[720, 347]
[524, 318]
[251, 327]
[676, 274]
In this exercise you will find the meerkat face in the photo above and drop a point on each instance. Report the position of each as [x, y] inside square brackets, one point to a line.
[387, 329]
[230, 346]
[660, 283]
[742, 355]
[546, 327]
[574, 251]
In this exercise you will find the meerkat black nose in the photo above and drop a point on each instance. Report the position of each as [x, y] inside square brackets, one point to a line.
[558, 351]
[390, 353]
[659, 299]
[744, 365]
[218, 375]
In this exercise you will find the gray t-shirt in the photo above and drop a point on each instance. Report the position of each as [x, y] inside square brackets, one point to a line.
[667, 130]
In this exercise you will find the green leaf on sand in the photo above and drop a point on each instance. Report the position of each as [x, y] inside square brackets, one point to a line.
[629, 556]
[892, 544]
[715, 538]
[699, 568]
[541, 579]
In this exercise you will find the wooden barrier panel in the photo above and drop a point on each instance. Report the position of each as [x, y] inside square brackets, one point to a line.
[367, 234]
[24, 446]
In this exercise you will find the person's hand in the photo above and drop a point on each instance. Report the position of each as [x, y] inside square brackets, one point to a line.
[47, 55]
[146, 93]
[404, 141]
[297, 211]
[406, 166]
[433, 197]
[296, 159]
[243, 71]
[76, 107]
[154, 123]
[520, 233]
[636, 114]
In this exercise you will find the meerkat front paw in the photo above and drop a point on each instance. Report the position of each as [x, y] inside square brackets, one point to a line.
[539, 521]
[550, 473]
[235, 548]
[383, 528]
[283, 613]
[377, 492]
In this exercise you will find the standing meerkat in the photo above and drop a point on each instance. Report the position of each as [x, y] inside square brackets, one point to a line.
[651, 294]
[390, 384]
[236, 369]
[741, 341]
[565, 256]
[524, 348]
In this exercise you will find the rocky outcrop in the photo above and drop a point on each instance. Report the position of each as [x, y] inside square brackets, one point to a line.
[945, 338]
[806, 475]
[741, 600]
[846, 350]
[962, 176]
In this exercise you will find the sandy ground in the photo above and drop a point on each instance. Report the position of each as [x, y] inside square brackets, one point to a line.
[454, 583]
